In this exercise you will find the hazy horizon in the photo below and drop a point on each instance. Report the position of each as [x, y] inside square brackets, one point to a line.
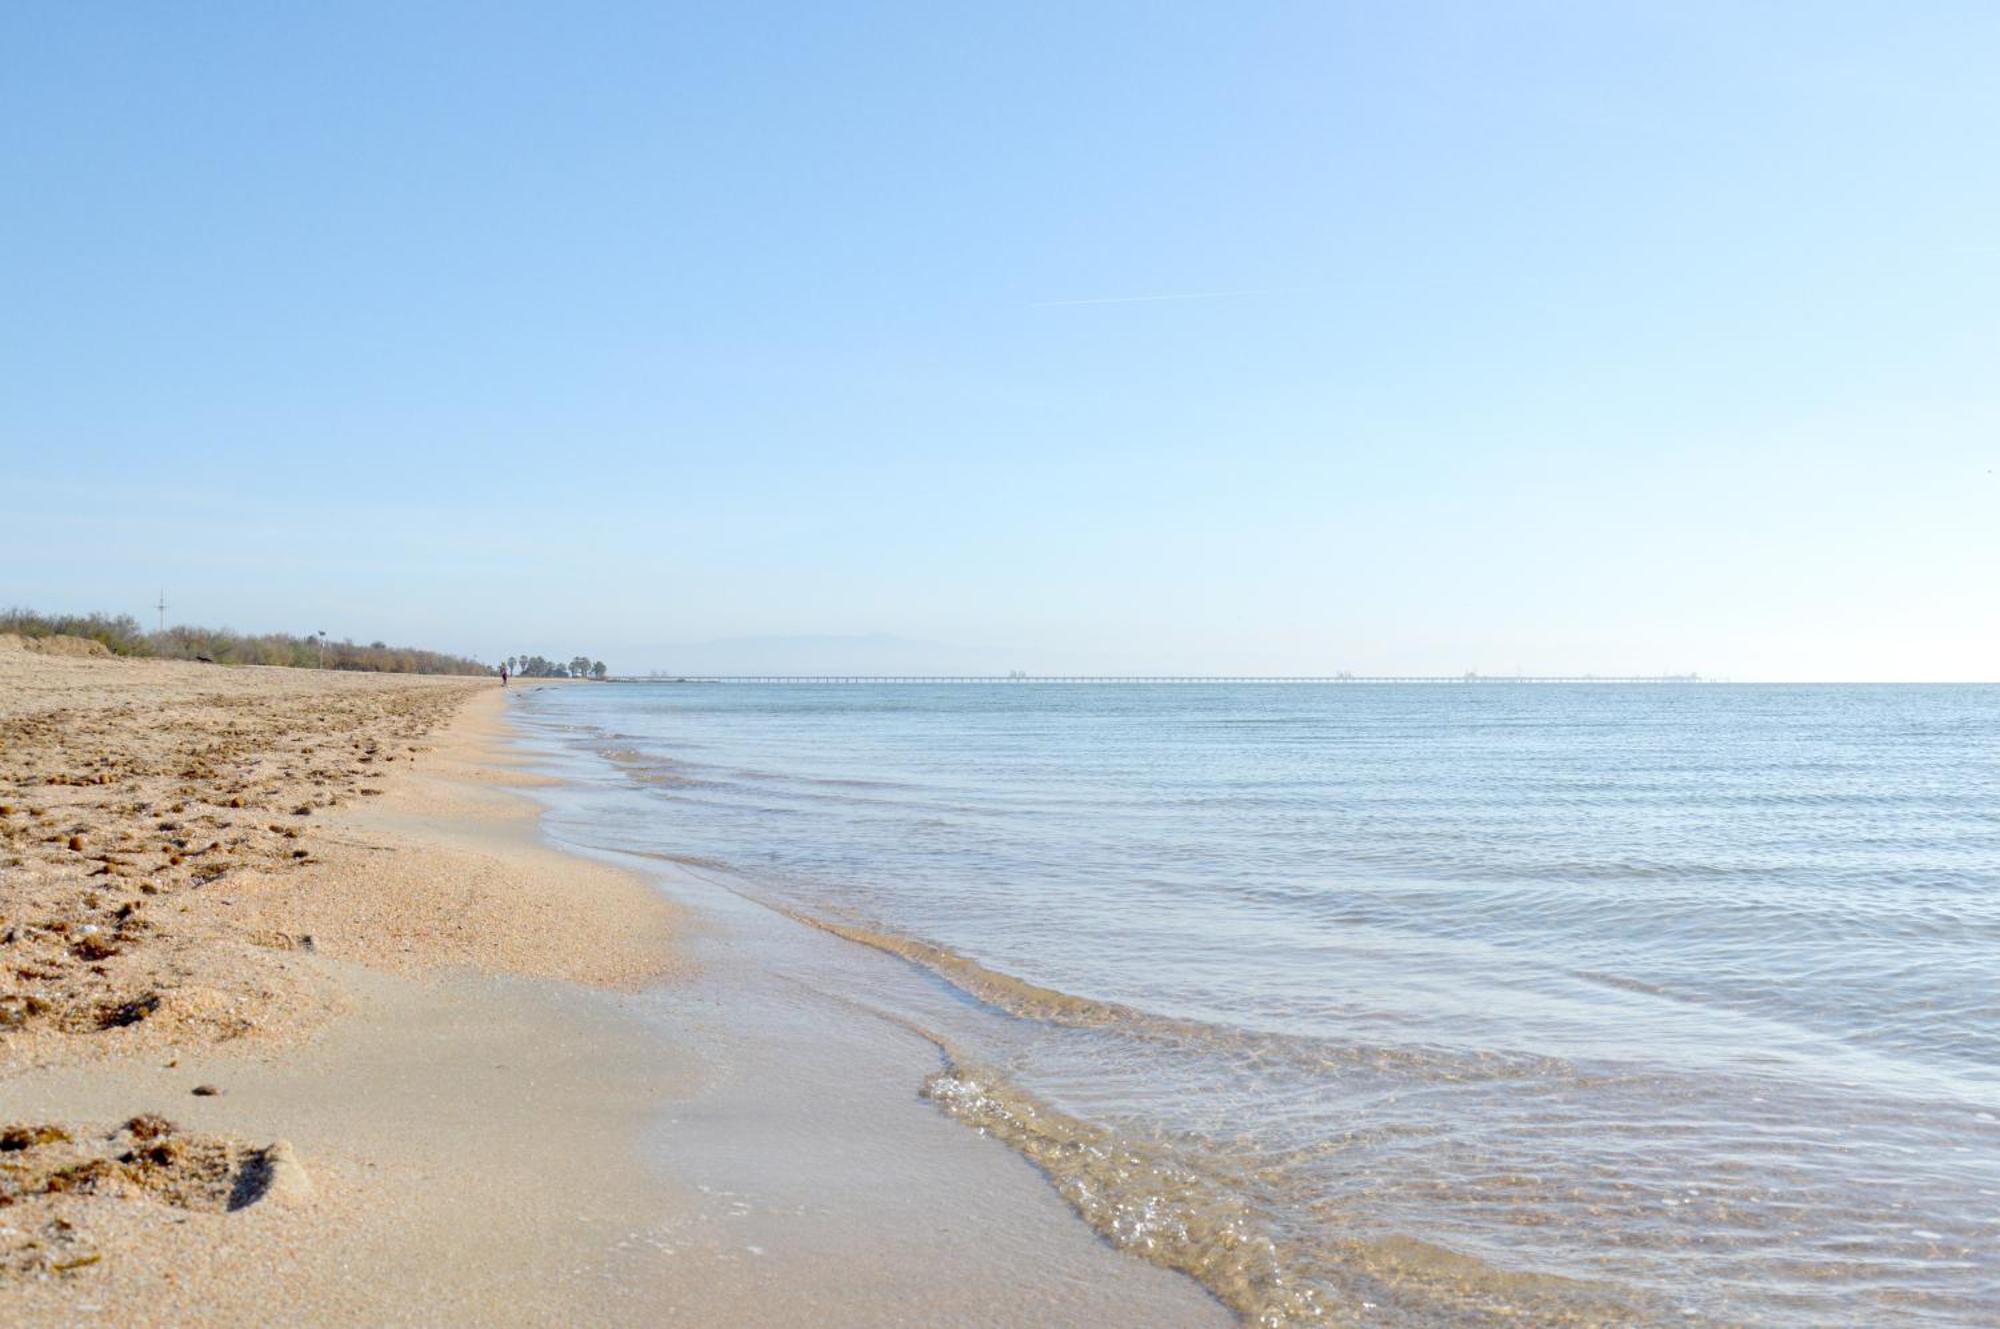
[881, 653]
[1551, 338]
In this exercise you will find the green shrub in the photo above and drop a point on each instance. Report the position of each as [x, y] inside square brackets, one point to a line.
[123, 636]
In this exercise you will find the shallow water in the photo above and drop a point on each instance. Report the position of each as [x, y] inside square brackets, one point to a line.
[1410, 1004]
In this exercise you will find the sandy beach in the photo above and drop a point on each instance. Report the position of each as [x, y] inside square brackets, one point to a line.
[303, 1022]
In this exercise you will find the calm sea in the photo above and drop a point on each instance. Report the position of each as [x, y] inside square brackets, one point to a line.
[1426, 1004]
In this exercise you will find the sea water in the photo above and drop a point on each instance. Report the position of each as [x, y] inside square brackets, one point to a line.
[1409, 1004]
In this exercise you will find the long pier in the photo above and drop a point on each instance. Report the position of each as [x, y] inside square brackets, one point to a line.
[1182, 679]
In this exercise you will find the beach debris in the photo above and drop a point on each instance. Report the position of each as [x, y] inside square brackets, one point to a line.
[17, 1008]
[129, 1013]
[161, 1153]
[97, 1176]
[147, 1158]
[205, 1091]
[93, 948]
[148, 1126]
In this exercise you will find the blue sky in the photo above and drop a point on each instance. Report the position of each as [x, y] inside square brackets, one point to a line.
[1561, 337]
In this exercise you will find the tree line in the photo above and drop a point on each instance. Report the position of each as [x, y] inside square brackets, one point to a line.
[534, 666]
[122, 635]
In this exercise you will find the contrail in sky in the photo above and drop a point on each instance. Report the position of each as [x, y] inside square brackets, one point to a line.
[1144, 299]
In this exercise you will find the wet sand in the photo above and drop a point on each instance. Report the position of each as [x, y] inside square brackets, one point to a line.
[460, 1077]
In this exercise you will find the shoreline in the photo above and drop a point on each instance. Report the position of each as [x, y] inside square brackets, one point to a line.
[521, 1086]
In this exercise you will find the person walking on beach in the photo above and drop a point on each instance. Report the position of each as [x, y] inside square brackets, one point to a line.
[503, 676]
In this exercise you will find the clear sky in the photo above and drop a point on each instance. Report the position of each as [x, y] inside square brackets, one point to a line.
[1287, 337]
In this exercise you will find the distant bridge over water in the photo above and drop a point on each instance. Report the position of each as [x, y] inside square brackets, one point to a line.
[1184, 679]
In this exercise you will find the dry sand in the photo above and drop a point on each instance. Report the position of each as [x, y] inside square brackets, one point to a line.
[311, 1027]
[310, 893]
